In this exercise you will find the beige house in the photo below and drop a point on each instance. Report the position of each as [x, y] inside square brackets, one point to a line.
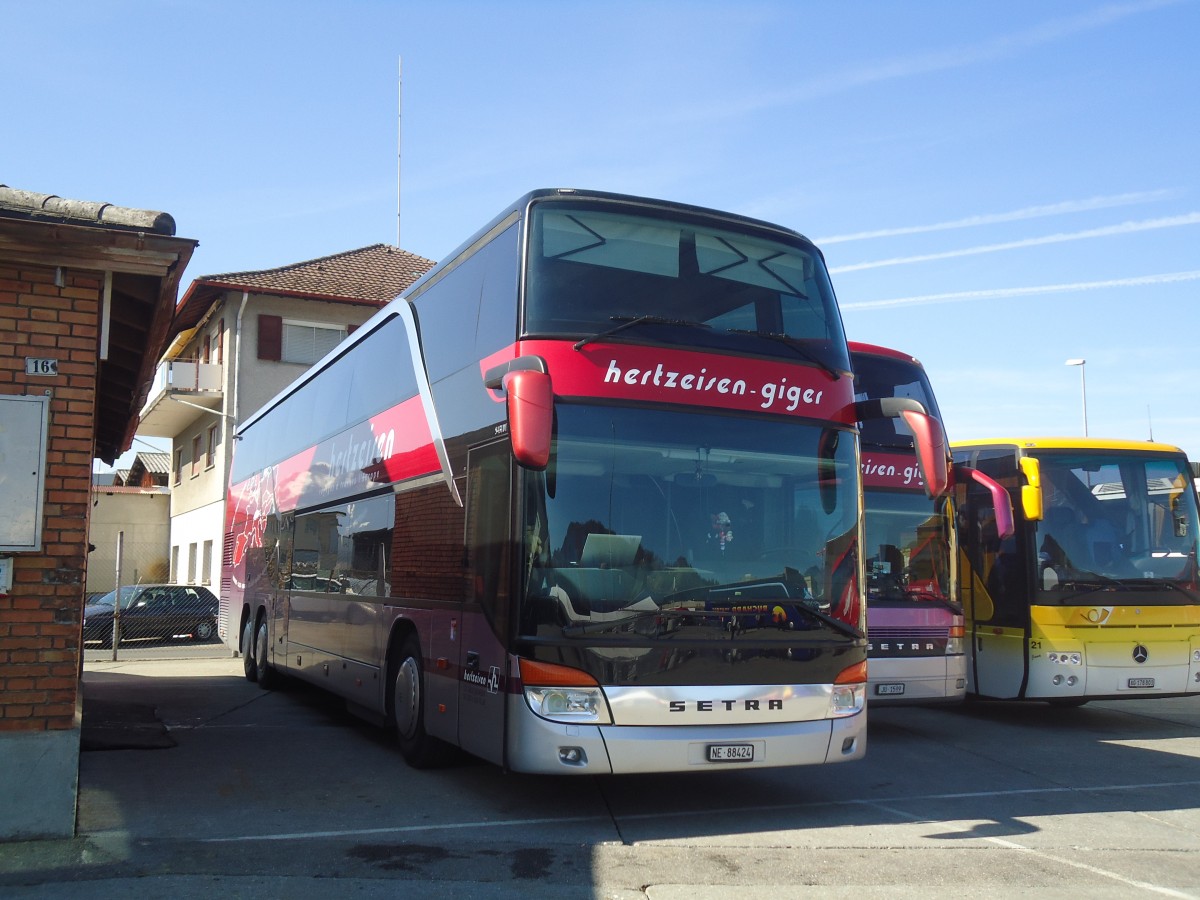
[133, 514]
[236, 341]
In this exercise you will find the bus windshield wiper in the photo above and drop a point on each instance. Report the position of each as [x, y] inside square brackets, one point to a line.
[1092, 583]
[1086, 583]
[826, 619]
[1165, 583]
[794, 343]
[635, 615]
[630, 321]
[679, 612]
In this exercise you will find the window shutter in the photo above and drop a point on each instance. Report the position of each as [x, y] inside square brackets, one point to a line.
[270, 337]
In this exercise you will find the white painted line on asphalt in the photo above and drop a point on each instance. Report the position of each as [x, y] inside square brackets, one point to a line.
[1050, 857]
[556, 820]
[403, 829]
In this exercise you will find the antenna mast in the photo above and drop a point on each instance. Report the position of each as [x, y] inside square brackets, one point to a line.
[400, 105]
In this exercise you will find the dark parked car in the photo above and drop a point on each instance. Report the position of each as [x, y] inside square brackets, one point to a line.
[153, 612]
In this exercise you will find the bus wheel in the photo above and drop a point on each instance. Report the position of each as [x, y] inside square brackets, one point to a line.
[408, 708]
[249, 669]
[265, 674]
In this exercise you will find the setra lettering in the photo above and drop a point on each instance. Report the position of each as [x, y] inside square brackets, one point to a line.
[678, 706]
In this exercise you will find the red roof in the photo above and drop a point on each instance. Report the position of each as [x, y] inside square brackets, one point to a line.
[369, 276]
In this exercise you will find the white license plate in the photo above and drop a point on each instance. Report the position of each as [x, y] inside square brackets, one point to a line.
[896, 688]
[730, 752]
[1141, 682]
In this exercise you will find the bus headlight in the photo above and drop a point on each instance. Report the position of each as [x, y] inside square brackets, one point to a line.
[579, 705]
[1065, 659]
[563, 694]
[847, 700]
[849, 694]
[954, 642]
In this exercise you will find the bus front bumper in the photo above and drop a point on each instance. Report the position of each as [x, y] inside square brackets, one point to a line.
[537, 745]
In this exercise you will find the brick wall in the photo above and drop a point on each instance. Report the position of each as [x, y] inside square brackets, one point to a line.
[40, 651]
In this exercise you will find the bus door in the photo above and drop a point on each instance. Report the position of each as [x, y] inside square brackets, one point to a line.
[484, 660]
[994, 597]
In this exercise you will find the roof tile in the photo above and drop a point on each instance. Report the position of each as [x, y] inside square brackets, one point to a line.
[375, 273]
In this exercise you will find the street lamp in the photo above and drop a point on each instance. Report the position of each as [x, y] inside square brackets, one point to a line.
[1082, 363]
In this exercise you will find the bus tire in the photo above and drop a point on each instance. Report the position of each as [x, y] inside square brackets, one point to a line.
[264, 672]
[408, 708]
[249, 669]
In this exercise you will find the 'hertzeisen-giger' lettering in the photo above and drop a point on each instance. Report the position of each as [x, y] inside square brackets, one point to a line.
[790, 394]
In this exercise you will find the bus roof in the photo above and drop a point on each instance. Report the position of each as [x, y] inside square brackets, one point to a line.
[1067, 443]
[876, 350]
[519, 206]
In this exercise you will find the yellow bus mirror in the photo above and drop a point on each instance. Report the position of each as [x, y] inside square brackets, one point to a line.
[1031, 491]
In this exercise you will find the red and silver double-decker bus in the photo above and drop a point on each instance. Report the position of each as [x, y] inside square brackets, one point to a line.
[914, 611]
[584, 499]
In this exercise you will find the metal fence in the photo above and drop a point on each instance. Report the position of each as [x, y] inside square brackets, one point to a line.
[142, 606]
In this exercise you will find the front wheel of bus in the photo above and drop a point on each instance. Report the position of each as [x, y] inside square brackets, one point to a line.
[265, 674]
[408, 708]
[249, 669]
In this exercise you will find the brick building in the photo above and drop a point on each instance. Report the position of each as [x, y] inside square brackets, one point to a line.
[87, 293]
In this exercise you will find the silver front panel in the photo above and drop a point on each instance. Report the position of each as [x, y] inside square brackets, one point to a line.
[739, 704]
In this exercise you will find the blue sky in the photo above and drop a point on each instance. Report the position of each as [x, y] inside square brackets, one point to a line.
[997, 187]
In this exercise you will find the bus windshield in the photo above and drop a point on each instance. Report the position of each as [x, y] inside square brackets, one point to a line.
[646, 511]
[593, 271]
[908, 548]
[1116, 520]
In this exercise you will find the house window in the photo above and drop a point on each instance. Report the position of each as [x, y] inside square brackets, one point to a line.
[307, 342]
[210, 456]
[206, 567]
[220, 342]
[191, 564]
[206, 350]
[195, 456]
[177, 466]
[175, 564]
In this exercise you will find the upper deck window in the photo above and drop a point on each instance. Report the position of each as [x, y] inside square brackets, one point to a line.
[592, 267]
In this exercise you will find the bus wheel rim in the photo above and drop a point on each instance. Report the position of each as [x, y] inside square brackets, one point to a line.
[408, 696]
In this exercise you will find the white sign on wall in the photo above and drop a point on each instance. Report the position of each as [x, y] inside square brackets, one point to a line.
[24, 422]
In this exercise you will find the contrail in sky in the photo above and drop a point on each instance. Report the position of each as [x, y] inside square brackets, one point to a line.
[1016, 215]
[1003, 47]
[1000, 293]
[1107, 231]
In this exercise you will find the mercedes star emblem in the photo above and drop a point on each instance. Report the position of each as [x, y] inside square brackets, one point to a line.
[1140, 654]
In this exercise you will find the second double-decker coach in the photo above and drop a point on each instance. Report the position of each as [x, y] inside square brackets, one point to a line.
[584, 499]
[914, 611]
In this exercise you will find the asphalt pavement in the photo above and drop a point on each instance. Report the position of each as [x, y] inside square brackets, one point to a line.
[194, 782]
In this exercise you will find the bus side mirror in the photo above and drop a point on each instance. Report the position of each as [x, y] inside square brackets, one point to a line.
[530, 403]
[1001, 502]
[1031, 491]
[932, 454]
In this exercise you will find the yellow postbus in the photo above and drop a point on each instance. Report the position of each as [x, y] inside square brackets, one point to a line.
[1095, 595]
